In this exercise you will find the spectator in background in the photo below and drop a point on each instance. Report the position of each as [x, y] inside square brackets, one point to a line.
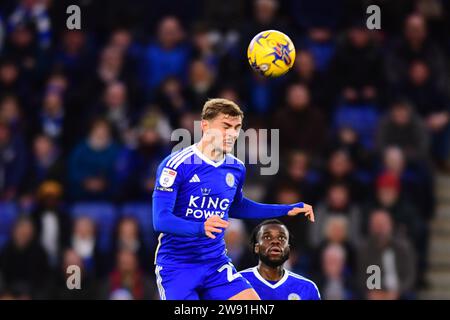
[21, 47]
[46, 164]
[168, 56]
[109, 69]
[137, 166]
[128, 236]
[171, 97]
[287, 192]
[358, 67]
[432, 103]
[84, 243]
[52, 118]
[408, 221]
[123, 40]
[341, 169]
[394, 256]
[128, 275]
[333, 281]
[388, 197]
[299, 172]
[33, 11]
[24, 264]
[57, 82]
[265, 17]
[320, 13]
[92, 165]
[417, 188]
[416, 44]
[12, 162]
[114, 66]
[204, 49]
[348, 140]
[51, 222]
[338, 203]
[201, 84]
[319, 40]
[10, 79]
[336, 231]
[230, 92]
[116, 109]
[87, 281]
[11, 113]
[404, 128]
[236, 240]
[73, 56]
[301, 120]
[305, 71]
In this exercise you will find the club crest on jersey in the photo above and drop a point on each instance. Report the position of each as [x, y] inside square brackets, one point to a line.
[229, 179]
[206, 191]
[294, 296]
[167, 177]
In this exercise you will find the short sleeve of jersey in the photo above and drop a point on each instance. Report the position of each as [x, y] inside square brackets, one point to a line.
[168, 179]
[313, 292]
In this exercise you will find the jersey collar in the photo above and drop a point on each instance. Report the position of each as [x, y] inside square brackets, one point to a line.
[267, 283]
[206, 159]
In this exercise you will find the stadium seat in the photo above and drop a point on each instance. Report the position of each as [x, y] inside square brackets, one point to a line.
[8, 214]
[142, 212]
[104, 214]
[361, 118]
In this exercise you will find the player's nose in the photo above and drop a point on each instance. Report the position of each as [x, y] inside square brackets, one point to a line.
[275, 241]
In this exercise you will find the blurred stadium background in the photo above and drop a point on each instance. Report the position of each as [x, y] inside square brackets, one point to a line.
[86, 116]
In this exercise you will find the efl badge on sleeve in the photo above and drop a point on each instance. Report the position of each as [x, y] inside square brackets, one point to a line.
[167, 177]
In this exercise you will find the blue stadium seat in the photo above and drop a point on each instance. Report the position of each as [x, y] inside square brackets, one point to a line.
[8, 214]
[142, 212]
[104, 214]
[361, 118]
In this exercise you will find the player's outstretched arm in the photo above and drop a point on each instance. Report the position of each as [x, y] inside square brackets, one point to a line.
[307, 210]
[244, 208]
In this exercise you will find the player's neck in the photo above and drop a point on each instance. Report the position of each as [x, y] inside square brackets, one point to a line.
[269, 273]
[205, 148]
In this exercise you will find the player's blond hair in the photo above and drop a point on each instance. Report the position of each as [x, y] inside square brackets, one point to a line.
[213, 107]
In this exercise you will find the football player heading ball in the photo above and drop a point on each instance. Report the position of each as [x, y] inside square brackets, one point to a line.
[197, 189]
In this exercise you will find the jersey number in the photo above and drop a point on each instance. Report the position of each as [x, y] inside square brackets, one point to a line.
[230, 275]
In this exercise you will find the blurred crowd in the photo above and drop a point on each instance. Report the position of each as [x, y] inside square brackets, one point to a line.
[86, 116]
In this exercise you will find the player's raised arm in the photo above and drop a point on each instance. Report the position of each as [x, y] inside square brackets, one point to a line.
[243, 208]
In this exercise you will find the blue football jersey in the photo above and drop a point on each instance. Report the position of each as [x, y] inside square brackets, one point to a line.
[202, 188]
[290, 287]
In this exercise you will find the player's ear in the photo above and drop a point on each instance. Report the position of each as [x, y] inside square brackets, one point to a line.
[256, 249]
[204, 124]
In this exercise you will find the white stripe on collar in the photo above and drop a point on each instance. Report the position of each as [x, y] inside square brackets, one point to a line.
[206, 159]
[267, 283]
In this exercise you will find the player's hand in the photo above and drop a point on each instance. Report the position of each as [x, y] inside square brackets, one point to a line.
[307, 210]
[213, 224]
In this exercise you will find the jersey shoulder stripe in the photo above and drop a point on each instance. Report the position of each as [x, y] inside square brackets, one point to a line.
[297, 276]
[180, 161]
[236, 159]
[177, 156]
